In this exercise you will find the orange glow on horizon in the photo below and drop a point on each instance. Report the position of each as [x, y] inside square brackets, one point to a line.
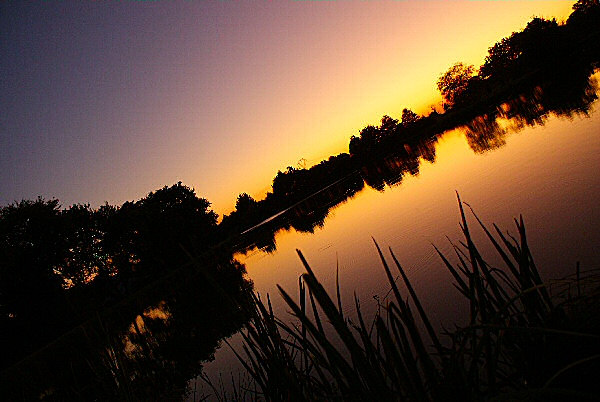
[379, 68]
[221, 95]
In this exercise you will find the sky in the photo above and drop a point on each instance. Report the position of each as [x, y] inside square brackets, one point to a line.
[105, 101]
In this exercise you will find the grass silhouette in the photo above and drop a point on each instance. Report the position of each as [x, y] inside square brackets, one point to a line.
[525, 339]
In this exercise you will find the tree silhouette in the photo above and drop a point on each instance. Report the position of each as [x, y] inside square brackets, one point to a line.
[453, 83]
[245, 203]
[369, 134]
[521, 51]
[583, 7]
[387, 127]
[83, 238]
[31, 294]
[159, 229]
[60, 267]
[409, 117]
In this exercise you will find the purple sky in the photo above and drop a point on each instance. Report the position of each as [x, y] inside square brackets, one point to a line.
[106, 101]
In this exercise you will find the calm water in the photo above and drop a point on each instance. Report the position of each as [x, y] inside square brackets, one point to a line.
[151, 345]
[548, 173]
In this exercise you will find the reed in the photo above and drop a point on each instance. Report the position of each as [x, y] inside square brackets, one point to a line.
[525, 339]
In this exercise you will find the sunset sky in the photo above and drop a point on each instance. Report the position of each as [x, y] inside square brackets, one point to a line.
[106, 101]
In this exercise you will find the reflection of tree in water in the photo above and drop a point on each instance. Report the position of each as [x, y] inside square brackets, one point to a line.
[570, 90]
[391, 170]
[140, 353]
[74, 283]
[387, 172]
[524, 110]
[484, 133]
[103, 304]
[426, 149]
[521, 84]
[303, 217]
[311, 213]
[571, 95]
[198, 315]
[509, 93]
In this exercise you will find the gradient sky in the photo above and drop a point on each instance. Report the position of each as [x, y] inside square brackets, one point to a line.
[106, 101]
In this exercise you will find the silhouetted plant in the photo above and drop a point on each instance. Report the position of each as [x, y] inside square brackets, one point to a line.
[454, 82]
[524, 338]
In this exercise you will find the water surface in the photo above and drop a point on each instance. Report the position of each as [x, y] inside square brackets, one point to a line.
[546, 172]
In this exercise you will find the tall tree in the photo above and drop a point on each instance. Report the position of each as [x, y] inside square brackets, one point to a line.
[388, 126]
[453, 83]
[409, 117]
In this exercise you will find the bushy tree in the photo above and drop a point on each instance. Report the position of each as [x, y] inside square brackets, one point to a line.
[31, 294]
[159, 229]
[527, 49]
[388, 126]
[30, 245]
[409, 117]
[245, 203]
[584, 25]
[83, 239]
[585, 6]
[453, 83]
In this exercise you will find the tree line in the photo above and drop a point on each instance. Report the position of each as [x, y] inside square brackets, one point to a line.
[544, 68]
[60, 266]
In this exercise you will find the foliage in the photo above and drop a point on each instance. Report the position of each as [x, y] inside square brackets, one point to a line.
[520, 341]
[58, 266]
[453, 83]
[388, 126]
[245, 203]
[31, 244]
[547, 58]
[523, 50]
[145, 347]
[583, 7]
[409, 117]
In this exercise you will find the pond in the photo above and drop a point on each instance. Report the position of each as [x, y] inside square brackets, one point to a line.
[546, 171]
[534, 155]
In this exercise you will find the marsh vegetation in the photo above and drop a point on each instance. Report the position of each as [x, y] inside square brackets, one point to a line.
[127, 302]
[524, 339]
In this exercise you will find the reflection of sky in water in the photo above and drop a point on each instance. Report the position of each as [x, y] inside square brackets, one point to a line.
[547, 173]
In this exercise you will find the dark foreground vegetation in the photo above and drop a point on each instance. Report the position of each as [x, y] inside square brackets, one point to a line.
[106, 303]
[524, 339]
